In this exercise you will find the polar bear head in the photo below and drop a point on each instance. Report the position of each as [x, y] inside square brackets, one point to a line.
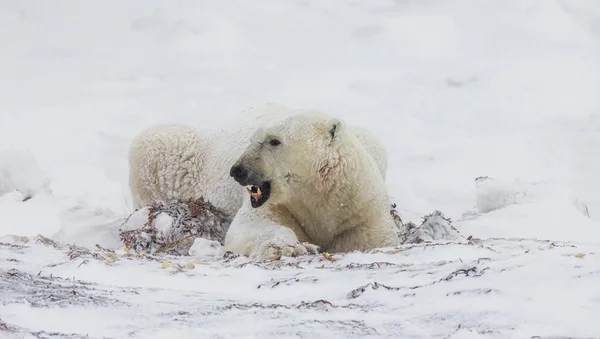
[291, 158]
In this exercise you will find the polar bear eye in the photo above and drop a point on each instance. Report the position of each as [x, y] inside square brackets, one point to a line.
[274, 142]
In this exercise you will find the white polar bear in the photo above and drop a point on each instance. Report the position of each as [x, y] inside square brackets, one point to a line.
[178, 162]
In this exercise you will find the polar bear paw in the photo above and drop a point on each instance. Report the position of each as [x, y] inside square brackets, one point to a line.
[275, 251]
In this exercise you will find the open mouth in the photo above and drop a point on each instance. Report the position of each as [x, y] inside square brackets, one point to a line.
[259, 194]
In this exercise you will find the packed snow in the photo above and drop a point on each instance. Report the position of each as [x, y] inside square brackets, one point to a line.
[490, 111]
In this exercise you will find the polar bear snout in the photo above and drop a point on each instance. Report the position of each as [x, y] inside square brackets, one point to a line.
[258, 187]
[239, 173]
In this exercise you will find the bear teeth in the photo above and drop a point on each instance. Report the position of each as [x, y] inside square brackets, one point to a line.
[254, 191]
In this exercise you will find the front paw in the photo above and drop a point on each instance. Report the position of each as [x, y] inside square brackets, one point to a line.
[275, 251]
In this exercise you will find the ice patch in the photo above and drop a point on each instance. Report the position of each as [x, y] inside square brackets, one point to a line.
[434, 228]
[87, 226]
[206, 248]
[494, 194]
[529, 210]
[89, 185]
[36, 215]
[580, 205]
[12, 197]
[19, 171]
[136, 220]
[163, 224]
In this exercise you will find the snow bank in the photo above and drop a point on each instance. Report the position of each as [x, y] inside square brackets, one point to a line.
[20, 172]
[528, 210]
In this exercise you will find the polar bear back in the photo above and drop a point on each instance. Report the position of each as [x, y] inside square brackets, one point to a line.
[182, 162]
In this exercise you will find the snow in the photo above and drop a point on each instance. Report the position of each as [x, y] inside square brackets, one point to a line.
[457, 90]
[163, 223]
[206, 248]
[505, 288]
[21, 173]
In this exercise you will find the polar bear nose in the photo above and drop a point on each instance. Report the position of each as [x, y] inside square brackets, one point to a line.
[239, 173]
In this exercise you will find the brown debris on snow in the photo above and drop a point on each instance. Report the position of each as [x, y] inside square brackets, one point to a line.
[321, 304]
[184, 222]
[470, 272]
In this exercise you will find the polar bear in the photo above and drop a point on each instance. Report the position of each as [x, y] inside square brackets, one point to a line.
[309, 175]
[179, 162]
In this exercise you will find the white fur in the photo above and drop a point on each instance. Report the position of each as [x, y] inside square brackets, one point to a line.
[176, 161]
[326, 188]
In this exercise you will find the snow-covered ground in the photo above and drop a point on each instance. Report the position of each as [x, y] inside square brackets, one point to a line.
[508, 90]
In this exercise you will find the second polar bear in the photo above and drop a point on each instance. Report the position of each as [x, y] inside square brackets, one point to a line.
[175, 161]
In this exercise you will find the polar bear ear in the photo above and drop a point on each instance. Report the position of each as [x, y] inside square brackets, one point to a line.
[335, 128]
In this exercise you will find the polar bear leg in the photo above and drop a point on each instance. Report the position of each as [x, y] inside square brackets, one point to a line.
[364, 238]
[256, 235]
